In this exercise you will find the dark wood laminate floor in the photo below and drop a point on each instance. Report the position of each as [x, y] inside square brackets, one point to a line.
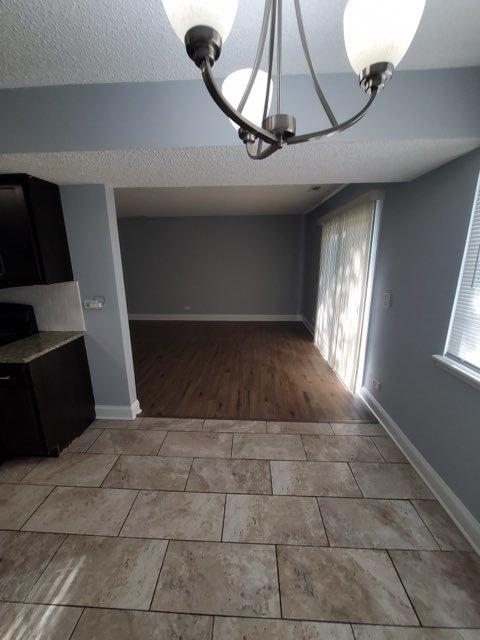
[237, 370]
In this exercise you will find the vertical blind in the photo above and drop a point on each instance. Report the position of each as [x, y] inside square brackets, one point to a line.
[344, 265]
[463, 342]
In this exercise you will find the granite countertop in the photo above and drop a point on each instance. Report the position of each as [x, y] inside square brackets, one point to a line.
[27, 349]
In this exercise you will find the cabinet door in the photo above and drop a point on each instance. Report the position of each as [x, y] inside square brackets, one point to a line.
[63, 393]
[18, 256]
[20, 432]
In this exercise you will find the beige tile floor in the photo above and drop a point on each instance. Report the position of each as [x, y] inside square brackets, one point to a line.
[170, 529]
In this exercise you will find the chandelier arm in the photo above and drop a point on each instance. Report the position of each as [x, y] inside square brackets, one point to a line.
[271, 49]
[258, 56]
[336, 129]
[264, 154]
[306, 51]
[279, 56]
[228, 110]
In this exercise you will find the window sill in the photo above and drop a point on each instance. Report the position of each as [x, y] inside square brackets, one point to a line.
[458, 370]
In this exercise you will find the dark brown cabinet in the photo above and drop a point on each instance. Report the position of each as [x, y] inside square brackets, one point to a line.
[33, 241]
[45, 403]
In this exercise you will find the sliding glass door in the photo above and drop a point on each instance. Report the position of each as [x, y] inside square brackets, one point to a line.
[345, 264]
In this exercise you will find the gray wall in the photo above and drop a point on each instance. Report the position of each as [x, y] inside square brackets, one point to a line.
[90, 220]
[215, 265]
[422, 239]
[149, 115]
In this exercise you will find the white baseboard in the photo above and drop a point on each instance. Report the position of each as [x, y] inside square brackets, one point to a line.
[118, 412]
[459, 513]
[215, 317]
[309, 325]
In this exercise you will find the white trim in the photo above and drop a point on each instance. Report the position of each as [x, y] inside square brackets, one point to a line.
[309, 325]
[118, 412]
[367, 310]
[459, 370]
[215, 317]
[369, 196]
[118, 294]
[330, 195]
[463, 518]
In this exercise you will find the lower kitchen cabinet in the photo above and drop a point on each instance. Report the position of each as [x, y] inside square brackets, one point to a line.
[45, 403]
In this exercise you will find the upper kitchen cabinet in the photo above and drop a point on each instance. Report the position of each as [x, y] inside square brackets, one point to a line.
[33, 241]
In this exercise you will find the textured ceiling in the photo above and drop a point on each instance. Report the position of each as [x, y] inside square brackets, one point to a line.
[322, 163]
[48, 42]
[232, 201]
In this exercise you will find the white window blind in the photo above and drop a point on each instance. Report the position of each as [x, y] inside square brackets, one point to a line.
[344, 270]
[463, 342]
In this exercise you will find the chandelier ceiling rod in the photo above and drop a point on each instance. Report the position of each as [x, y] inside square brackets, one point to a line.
[279, 56]
[258, 56]
[249, 145]
[375, 40]
[306, 51]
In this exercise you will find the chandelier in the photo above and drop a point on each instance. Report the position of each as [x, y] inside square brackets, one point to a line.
[377, 35]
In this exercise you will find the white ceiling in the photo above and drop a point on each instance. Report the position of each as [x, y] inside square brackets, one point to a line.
[230, 201]
[329, 162]
[48, 42]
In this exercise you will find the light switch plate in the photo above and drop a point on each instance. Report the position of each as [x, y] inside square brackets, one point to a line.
[94, 303]
[387, 300]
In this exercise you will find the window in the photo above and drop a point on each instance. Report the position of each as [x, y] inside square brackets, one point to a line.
[462, 350]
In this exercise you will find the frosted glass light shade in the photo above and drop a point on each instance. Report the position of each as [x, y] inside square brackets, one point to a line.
[185, 14]
[233, 87]
[379, 30]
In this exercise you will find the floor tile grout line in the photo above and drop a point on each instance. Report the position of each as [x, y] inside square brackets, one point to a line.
[323, 521]
[329, 421]
[377, 448]
[233, 432]
[355, 478]
[213, 628]
[271, 476]
[222, 615]
[67, 454]
[126, 517]
[52, 489]
[224, 513]
[251, 617]
[160, 455]
[188, 476]
[412, 502]
[158, 577]
[65, 536]
[76, 623]
[243, 542]
[102, 485]
[161, 445]
[102, 431]
[304, 448]
[26, 474]
[278, 582]
[206, 491]
[404, 587]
